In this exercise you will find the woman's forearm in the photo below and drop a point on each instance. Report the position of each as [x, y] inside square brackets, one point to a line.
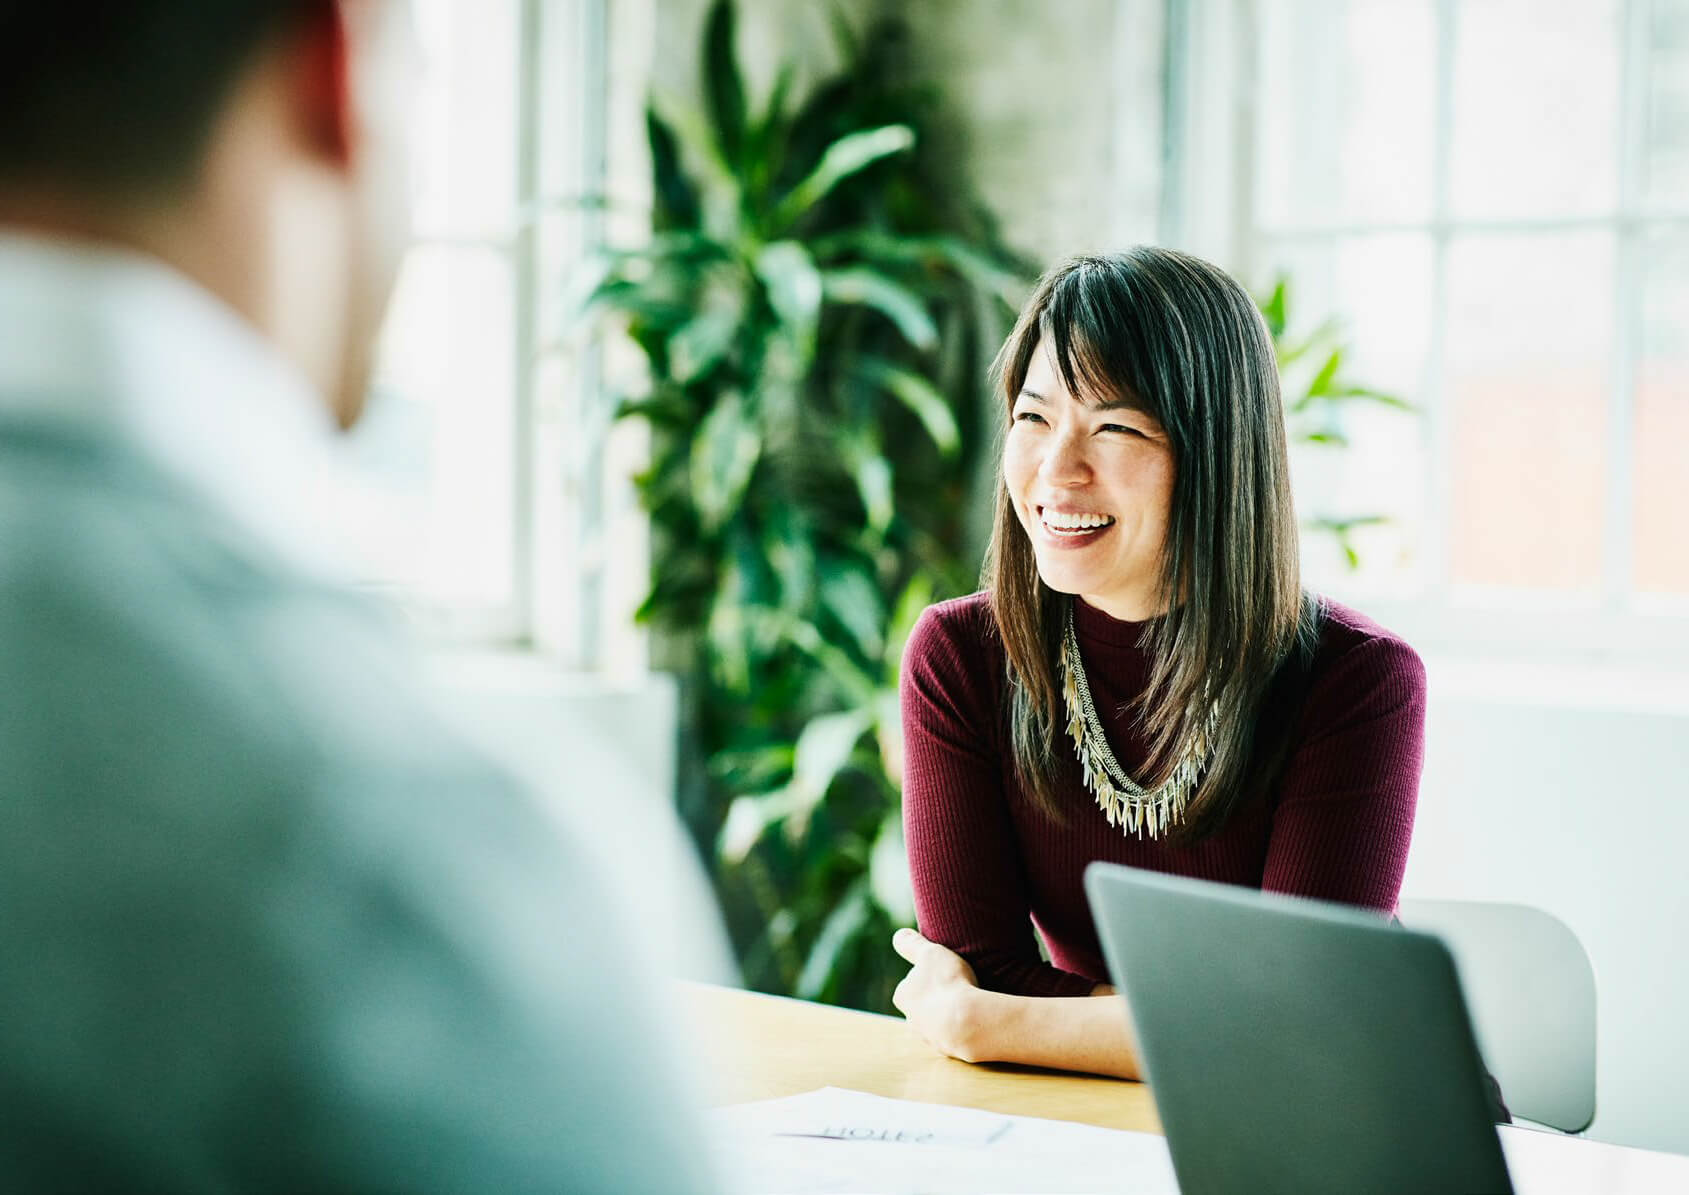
[1073, 1033]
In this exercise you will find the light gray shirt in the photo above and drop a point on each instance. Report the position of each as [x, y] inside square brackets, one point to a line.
[267, 918]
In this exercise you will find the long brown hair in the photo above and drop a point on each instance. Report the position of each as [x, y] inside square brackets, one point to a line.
[1185, 342]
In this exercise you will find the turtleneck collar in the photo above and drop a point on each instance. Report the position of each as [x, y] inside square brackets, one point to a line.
[1091, 625]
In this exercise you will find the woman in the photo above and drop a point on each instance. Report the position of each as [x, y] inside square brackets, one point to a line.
[1144, 679]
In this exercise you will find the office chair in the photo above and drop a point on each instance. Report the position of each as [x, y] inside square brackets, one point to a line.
[1531, 993]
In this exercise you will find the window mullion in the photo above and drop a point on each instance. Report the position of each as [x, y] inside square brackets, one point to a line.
[592, 515]
[525, 310]
[1439, 414]
[1619, 559]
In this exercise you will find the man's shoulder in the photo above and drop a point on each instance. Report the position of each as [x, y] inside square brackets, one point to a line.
[126, 604]
[82, 510]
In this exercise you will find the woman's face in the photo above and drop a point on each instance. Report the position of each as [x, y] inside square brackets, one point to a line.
[1092, 485]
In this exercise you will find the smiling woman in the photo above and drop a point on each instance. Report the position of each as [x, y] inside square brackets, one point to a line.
[1144, 681]
[1091, 484]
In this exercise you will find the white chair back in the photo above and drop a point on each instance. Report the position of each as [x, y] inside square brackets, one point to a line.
[1531, 992]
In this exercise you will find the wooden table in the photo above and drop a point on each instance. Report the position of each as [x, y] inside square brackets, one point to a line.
[761, 1047]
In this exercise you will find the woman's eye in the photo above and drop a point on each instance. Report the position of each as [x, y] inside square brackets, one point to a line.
[1029, 417]
[1123, 429]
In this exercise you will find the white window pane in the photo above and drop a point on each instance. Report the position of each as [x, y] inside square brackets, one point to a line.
[565, 46]
[467, 118]
[440, 437]
[1536, 97]
[1380, 289]
[1529, 340]
[1662, 422]
[1666, 150]
[1345, 110]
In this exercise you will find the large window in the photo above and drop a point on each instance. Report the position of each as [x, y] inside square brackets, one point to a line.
[1494, 197]
[473, 452]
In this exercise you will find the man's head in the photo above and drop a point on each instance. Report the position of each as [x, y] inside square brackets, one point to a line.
[259, 146]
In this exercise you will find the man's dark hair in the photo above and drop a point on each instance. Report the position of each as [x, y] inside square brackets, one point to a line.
[120, 96]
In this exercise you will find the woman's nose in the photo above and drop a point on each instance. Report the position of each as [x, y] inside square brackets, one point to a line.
[1066, 462]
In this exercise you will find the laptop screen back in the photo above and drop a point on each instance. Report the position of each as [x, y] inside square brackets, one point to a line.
[1297, 1046]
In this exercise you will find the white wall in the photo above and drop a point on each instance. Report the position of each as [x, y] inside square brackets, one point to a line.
[1061, 112]
[1569, 790]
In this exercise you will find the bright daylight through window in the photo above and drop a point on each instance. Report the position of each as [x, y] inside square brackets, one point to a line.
[1513, 256]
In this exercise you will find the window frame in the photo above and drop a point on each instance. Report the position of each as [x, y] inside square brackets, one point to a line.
[1209, 208]
[560, 495]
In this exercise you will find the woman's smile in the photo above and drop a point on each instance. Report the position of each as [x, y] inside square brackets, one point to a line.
[1091, 480]
[1068, 528]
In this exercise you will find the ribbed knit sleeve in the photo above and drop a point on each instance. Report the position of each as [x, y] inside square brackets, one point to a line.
[1346, 804]
[964, 857]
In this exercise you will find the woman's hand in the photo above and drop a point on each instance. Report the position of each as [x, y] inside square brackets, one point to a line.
[940, 996]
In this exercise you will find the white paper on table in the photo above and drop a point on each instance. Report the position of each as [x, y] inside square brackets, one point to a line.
[833, 1140]
[1543, 1162]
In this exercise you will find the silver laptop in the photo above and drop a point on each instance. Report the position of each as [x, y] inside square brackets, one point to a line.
[1295, 1046]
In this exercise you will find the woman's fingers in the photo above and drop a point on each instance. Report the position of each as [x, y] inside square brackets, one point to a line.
[912, 946]
[935, 966]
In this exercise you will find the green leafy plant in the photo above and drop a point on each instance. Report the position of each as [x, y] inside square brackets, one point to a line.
[1317, 393]
[814, 309]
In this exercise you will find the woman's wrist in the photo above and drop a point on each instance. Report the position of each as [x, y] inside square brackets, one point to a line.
[981, 1021]
[990, 1026]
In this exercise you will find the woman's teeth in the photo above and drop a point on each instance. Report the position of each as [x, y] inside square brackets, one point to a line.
[1075, 524]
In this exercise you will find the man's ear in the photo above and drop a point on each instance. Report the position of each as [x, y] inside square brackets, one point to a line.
[322, 71]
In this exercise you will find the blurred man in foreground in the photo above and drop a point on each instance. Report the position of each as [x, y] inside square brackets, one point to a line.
[267, 919]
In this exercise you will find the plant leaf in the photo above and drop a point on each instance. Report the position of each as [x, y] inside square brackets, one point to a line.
[888, 871]
[676, 200]
[1274, 308]
[921, 397]
[754, 767]
[749, 819]
[870, 288]
[1349, 523]
[874, 484]
[723, 458]
[1321, 385]
[719, 189]
[1394, 401]
[838, 932]
[724, 89]
[855, 686]
[794, 289]
[1328, 436]
[843, 158]
[852, 597]
[700, 343]
[824, 747]
[765, 138]
[1289, 353]
[790, 551]
[888, 732]
[917, 595]
[728, 640]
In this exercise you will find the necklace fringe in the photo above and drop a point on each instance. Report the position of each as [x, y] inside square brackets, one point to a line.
[1125, 802]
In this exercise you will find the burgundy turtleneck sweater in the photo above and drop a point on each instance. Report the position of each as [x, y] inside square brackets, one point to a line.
[987, 864]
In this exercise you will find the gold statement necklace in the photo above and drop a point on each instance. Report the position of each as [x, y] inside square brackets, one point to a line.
[1126, 803]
